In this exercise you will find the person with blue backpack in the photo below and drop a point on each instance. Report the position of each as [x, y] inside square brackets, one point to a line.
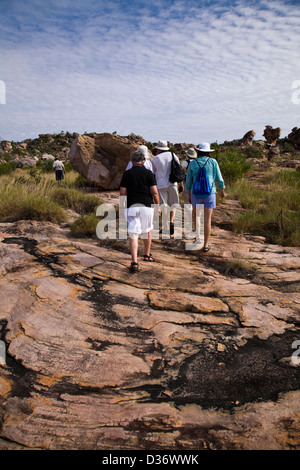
[201, 178]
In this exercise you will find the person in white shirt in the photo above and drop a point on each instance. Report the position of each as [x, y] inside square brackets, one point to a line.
[147, 154]
[168, 192]
[59, 168]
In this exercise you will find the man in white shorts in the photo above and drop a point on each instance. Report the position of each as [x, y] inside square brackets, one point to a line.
[138, 184]
[168, 192]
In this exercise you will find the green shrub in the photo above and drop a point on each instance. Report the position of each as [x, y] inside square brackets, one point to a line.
[84, 226]
[278, 227]
[284, 178]
[233, 164]
[47, 166]
[32, 208]
[253, 152]
[74, 199]
[8, 167]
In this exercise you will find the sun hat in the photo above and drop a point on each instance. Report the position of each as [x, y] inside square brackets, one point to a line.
[162, 145]
[191, 153]
[204, 147]
[145, 151]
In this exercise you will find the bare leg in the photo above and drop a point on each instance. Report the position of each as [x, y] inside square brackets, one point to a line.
[207, 225]
[133, 245]
[147, 244]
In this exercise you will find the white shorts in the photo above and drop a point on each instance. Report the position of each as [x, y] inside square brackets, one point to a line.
[139, 219]
[169, 195]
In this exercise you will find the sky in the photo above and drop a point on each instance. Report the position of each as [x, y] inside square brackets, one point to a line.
[176, 70]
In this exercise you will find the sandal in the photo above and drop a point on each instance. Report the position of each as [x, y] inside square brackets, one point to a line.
[134, 267]
[206, 249]
[148, 258]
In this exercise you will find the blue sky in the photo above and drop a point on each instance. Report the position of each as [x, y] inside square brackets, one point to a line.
[183, 71]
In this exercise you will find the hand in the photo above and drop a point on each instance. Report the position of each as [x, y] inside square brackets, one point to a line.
[157, 210]
[222, 193]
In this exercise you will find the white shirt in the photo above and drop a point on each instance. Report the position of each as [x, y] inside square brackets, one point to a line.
[58, 165]
[147, 165]
[162, 168]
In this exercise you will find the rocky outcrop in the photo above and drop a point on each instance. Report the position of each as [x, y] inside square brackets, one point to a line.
[294, 137]
[271, 135]
[25, 161]
[248, 138]
[180, 356]
[245, 141]
[102, 159]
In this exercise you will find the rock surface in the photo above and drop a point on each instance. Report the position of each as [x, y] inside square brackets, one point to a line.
[294, 137]
[180, 356]
[102, 159]
[272, 134]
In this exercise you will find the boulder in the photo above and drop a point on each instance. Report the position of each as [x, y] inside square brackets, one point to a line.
[102, 159]
[47, 156]
[274, 151]
[271, 135]
[294, 137]
[24, 161]
[6, 146]
[248, 138]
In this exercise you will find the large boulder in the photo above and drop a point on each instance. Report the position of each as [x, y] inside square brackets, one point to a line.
[271, 135]
[294, 137]
[103, 158]
[248, 138]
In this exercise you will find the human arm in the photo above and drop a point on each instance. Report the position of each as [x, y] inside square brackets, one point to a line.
[122, 198]
[155, 195]
[220, 181]
[189, 178]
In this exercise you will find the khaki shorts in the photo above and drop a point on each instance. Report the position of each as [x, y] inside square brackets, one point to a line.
[169, 195]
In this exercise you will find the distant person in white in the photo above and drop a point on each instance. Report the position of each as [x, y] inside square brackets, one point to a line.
[59, 168]
[168, 192]
[147, 154]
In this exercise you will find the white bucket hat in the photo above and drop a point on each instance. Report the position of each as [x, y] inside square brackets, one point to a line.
[145, 150]
[204, 147]
[162, 145]
[191, 153]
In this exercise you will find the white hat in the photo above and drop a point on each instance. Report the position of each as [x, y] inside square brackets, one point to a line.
[191, 153]
[145, 150]
[162, 145]
[204, 147]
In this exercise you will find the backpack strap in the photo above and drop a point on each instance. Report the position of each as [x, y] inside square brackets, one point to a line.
[204, 163]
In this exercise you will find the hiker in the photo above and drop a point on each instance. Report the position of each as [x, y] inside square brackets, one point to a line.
[168, 192]
[213, 174]
[138, 184]
[59, 168]
[191, 154]
[147, 163]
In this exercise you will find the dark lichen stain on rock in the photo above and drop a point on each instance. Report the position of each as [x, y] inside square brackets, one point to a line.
[252, 372]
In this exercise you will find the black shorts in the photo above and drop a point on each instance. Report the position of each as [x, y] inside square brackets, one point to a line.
[59, 175]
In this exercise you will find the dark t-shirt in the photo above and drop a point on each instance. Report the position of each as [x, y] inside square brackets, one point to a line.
[138, 181]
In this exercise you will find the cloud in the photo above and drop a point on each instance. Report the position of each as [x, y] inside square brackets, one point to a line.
[164, 69]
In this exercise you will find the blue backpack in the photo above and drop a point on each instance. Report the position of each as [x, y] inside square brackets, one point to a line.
[201, 186]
